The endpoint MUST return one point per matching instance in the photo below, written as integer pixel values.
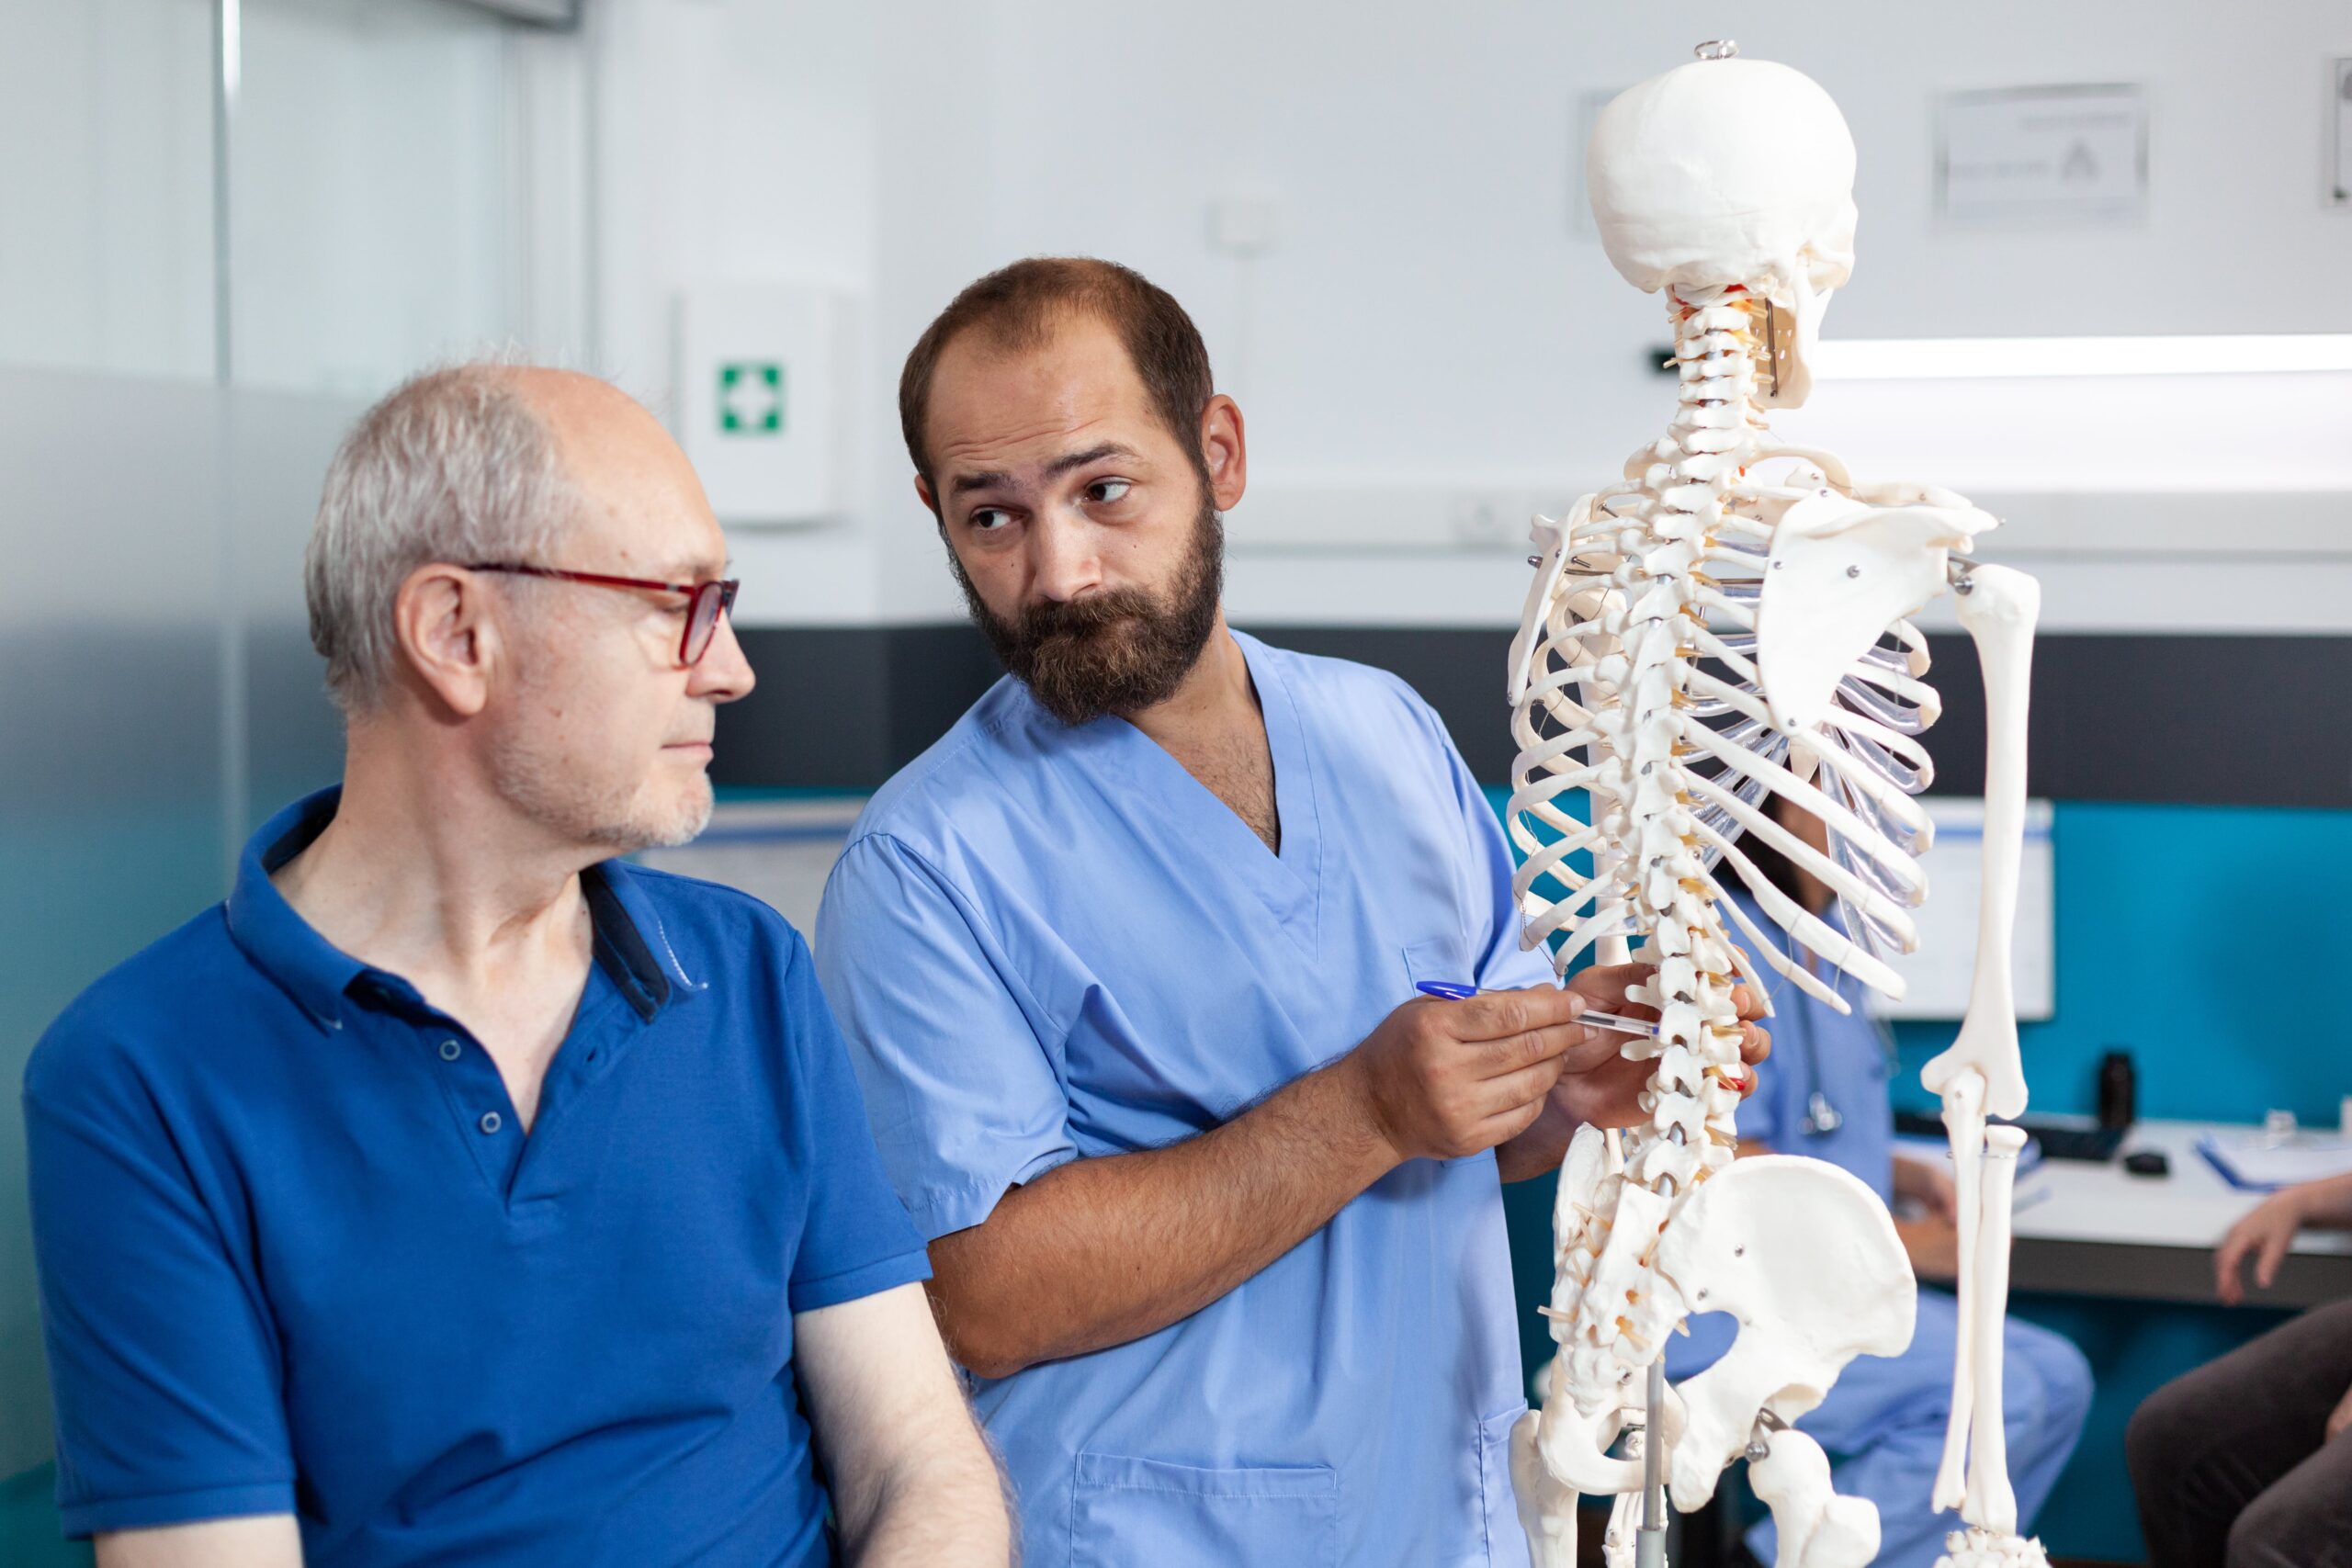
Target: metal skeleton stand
(1650, 1551)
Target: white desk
(2103, 1232)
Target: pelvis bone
(1805, 1257)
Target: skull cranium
(1727, 172)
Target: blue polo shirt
(298, 1255)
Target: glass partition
(105, 156)
(112, 811)
(367, 180)
(162, 696)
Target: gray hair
(453, 465)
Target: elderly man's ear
(448, 637)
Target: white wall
(1430, 348)
(1430, 319)
(737, 141)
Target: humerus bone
(1998, 607)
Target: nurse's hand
(1598, 1085)
(1439, 1079)
(1606, 1092)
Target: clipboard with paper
(2265, 1161)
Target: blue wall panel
(2169, 922)
(2146, 960)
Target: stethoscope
(1822, 1116)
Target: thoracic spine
(1663, 529)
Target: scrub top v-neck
(1049, 942)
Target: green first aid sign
(750, 397)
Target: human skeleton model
(1730, 623)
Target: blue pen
(1454, 991)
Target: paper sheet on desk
(1927, 1150)
(2255, 1162)
(2026, 1195)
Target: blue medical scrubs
(1884, 1422)
(1049, 943)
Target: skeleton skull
(1727, 172)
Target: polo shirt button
(491, 1121)
(451, 1050)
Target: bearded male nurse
(455, 1193)
(1215, 1211)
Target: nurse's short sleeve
(164, 1369)
(854, 1239)
(964, 1099)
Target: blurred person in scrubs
(1127, 961)
(1884, 1422)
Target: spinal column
(1604, 693)
(1636, 677)
(1732, 624)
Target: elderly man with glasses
(455, 1191)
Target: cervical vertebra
(1727, 624)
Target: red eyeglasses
(706, 602)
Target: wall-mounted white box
(762, 400)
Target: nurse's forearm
(1102, 1251)
(1540, 1149)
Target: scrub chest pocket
(1437, 959)
(1127, 1513)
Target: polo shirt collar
(318, 975)
(622, 916)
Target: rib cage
(1634, 681)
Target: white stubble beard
(545, 791)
